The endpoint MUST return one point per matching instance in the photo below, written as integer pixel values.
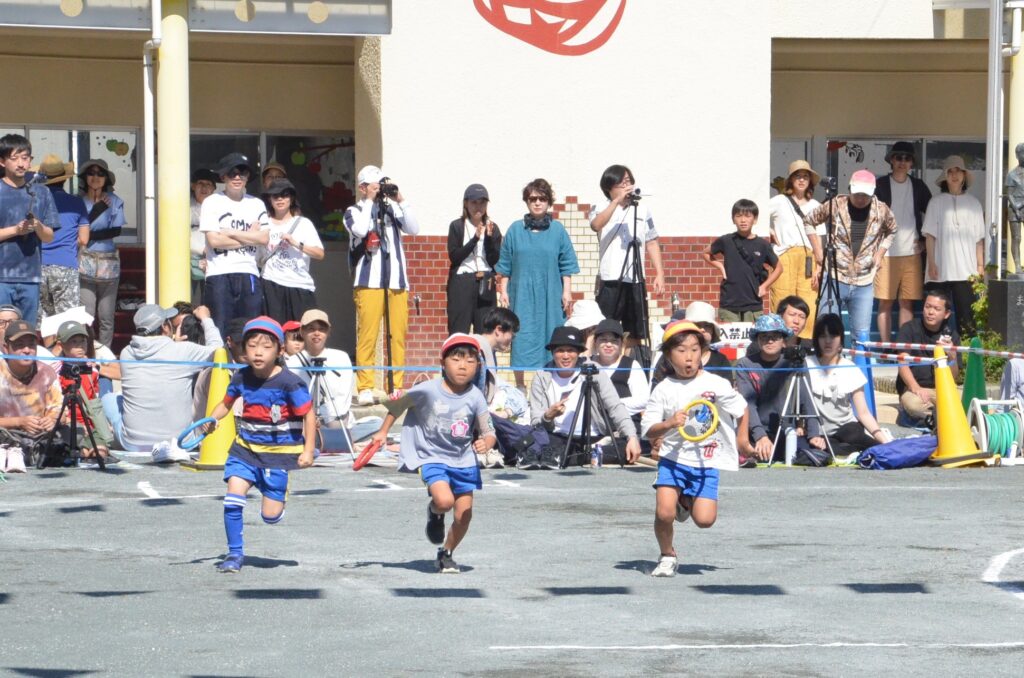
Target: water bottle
(790, 445)
(596, 456)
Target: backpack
(903, 453)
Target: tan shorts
(900, 278)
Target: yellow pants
(793, 281)
(369, 314)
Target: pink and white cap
(862, 181)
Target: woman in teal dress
(537, 260)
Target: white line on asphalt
(759, 646)
(147, 489)
(505, 483)
(381, 484)
(995, 568)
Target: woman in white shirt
(954, 229)
(474, 246)
(288, 288)
(838, 388)
(786, 222)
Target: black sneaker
(529, 461)
(435, 526)
(445, 563)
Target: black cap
(204, 174)
(609, 326)
(235, 330)
(279, 186)
(475, 192)
(17, 329)
(901, 147)
(231, 161)
(566, 336)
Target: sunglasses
(770, 337)
(536, 198)
(902, 157)
(96, 173)
(232, 174)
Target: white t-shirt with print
(616, 235)
(219, 212)
(561, 387)
(716, 451)
(288, 266)
(906, 220)
(786, 224)
(833, 389)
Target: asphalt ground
(807, 572)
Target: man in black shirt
(916, 383)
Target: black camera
(830, 184)
(633, 196)
(387, 188)
(589, 369)
(71, 370)
(794, 353)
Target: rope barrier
(948, 349)
(892, 357)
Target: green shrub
(989, 339)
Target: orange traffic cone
(956, 444)
(213, 451)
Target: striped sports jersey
(270, 428)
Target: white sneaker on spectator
(493, 459)
(666, 567)
(365, 398)
(15, 460)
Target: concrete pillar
(172, 116)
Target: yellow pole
(1015, 130)
(172, 116)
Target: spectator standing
(620, 293)
(271, 173)
(99, 264)
(60, 289)
(954, 228)
(28, 218)
(901, 275)
(379, 267)
(474, 246)
(235, 224)
(204, 183)
(786, 213)
(915, 384)
(534, 277)
(30, 396)
(864, 228)
(288, 288)
(748, 265)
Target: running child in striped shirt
(276, 433)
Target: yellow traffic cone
(956, 444)
(213, 451)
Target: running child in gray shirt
(437, 440)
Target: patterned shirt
(270, 428)
(40, 397)
(881, 229)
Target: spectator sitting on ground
(49, 328)
(30, 396)
(334, 397)
(794, 311)
(155, 403)
(839, 391)
(915, 384)
(555, 395)
(293, 341)
(625, 373)
(74, 341)
(190, 329)
(764, 382)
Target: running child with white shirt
(437, 441)
(688, 471)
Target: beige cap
(312, 315)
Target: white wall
(681, 93)
(851, 19)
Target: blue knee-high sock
(234, 506)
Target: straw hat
(56, 170)
(798, 165)
(955, 162)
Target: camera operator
(620, 293)
(764, 382)
(378, 267)
(863, 230)
(794, 311)
(74, 342)
(30, 396)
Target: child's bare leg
(460, 525)
(704, 512)
(664, 518)
(441, 498)
(271, 510)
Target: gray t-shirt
(439, 425)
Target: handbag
(808, 261)
(99, 265)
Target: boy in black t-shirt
(748, 265)
(915, 384)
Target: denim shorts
(692, 481)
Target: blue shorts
(271, 482)
(692, 481)
(461, 480)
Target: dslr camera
(70, 370)
(830, 184)
(388, 188)
(794, 353)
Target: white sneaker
(666, 567)
(15, 460)
(365, 398)
(493, 459)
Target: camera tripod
(319, 396)
(828, 288)
(71, 403)
(633, 261)
(792, 417)
(585, 442)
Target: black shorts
(625, 302)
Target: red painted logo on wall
(564, 27)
